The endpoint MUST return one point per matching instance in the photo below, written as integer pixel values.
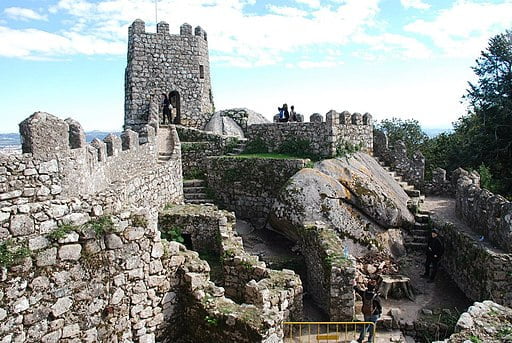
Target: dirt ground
(279, 253)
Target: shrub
(10, 254)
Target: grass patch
(61, 231)
(269, 155)
(173, 234)
(10, 253)
(101, 225)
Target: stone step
(421, 218)
(165, 154)
(193, 183)
(199, 201)
(402, 184)
(419, 239)
(412, 192)
(190, 196)
(193, 189)
(421, 226)
(421, 233)
(422, 211)
(415, 246)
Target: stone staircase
(194, 192)
(240, 147)
(164, 157)
(417, 241)
(410, 190)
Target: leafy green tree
(409, 131)
(486, 132)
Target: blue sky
(402, 58)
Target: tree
(485, 133)
(409, 131)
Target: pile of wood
(384, 270)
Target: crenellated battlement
(79, 168)
(327, 135)
(138, 28)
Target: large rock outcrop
(234, 122)
(224, 125)
(354, 195)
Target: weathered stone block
(76, 134)
(61, 306)
(70, 252)
(101, 148)
(130, 140)
(21, 225)
(46, 257)
(114, 145)
(43, 133)
(113, 241)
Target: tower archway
(174, 99)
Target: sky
(409, 59)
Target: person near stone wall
(372, 308)
(293, 114)
(284, 115)
(435, 250)
(166, 109)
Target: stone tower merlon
(173, 64)
(43, 134)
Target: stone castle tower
(177, 65)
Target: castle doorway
(174, 99)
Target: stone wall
(411, 169)
(330, 274)
(49, 170)
(94, 283)
(479, 270)
(197, 145)
(164, 63)
(249, 186)
(326, 138)
(484, 321)
(488, 214)
(269, 296)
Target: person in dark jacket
(166, 109)
(435, 250)
(372, 308)
(284, 115)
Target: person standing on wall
(435, 250)
(372, 308)
(284, 115)
(293, 115)
(166, 109)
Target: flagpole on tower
(156, 12)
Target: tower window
(201, 71)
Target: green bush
(10, 254)
(255, 146)
(298, 148)
(101, 225)
(173, 234)
(61, 231)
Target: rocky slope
(354, 195)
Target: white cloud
(286, 11)
(464, 29)
(310, 3)
(418, 4)
(23, 14)
(38, 44)
(235, 37)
